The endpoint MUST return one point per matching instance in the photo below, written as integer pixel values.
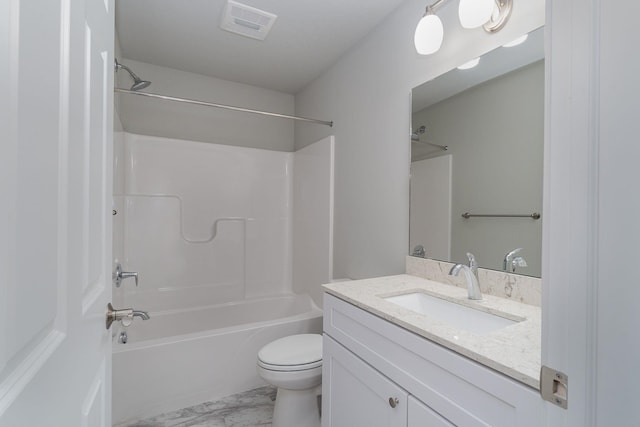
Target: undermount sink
(457, 315)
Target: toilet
(294, 365)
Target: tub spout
(141, 314)
(125, 315)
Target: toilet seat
(292, 353)
(289, 368)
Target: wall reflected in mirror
(477, 147)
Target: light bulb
(429, 34)
(475, 13)
(469, 64)
(517, 41)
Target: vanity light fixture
(470, 64)
(492, 15)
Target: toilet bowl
(294, 365)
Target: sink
(459, 316)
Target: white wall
(196, 123)
(366, 94)
(497, 165)
(170, 192)
(313, 218)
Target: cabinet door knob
(393, 402)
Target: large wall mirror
(477, 148)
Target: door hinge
(554, 386)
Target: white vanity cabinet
(420, 415)
(359, 395)
(376, 373)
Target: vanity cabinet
(378, 374)
(420, 415)
(359, 395)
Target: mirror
(477, 148)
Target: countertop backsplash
(524, 289)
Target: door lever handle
(118, 275)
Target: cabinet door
(420, 415)
(355, 394)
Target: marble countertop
(514, 350)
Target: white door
(591, 232)
(56, 98)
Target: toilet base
(296, 408)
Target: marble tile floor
(248, 409)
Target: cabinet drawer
(463, 391)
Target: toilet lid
(294, 350)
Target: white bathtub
(182, 358)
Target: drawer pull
(393, 402)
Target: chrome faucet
(418, 251)
(125, 316)
(141, 314)
(518, 262)
(471, 276)
(510, 262)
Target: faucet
(125, 316)
(418, 251)
(118, 275)
(518, 262)
(141, 314)
(511, 262)
(471, 276)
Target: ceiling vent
(246, 20)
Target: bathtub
(184, 357)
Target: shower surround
(202, 220)
(209, 228)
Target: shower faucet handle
(118, 275)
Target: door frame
(570, 227)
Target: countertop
(514, 350)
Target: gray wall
(495, 132)
(366, 94)
(196, 123)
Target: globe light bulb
(516, 42)
(475, 13)
(429, 34)
(467, 65)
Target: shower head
(138, 83)
(415, 135)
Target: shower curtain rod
(226, 107)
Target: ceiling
(306, 39)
